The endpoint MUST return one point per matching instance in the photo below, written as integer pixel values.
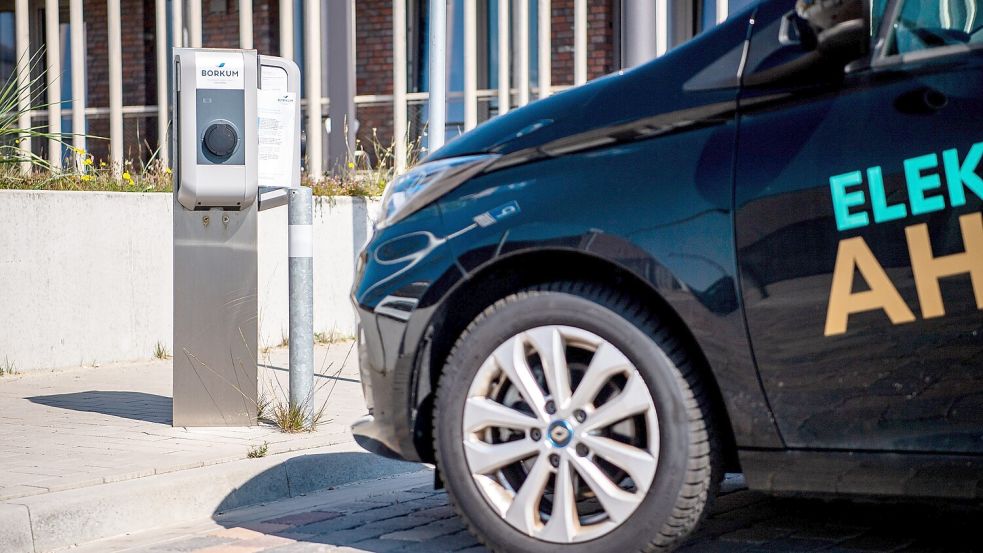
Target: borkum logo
(219, 72)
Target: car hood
(691, 82)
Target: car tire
(490, 499)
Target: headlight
(415, 189)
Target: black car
(761, 252)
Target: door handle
(922, 101)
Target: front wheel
(567, 415)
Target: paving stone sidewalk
(88, 426)
(405, 515)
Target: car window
(924, 24)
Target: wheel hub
(560, 433)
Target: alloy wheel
(561, 434)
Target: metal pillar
(287, 29)
(522, 51)
(312, 80)
(341, 81)
(504, 82)
(300, 217)
(399, 85)
(77, 38)
(246, 24)
(544, 46)
(438, 61)
(115, 87)
(640, 43)
(163, 113)
(52, 46)
(470, 65)
(194, 23)
(580, 42)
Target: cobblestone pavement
(88, 426)
(406, 515)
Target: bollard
(300, 217)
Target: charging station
(231, 134)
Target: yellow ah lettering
(853, 255)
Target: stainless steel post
(300, 217)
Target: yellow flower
(86, 178)
(167, 171)
(102, 164)
(88, 161)
(79, 151)
(127, 177)
(351, 165)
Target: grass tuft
(7, 367)
(255, 452)
(331, 337)
(160, 351)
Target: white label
(300, 240)
(276, 113)
(219, 70)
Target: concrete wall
(85, 277)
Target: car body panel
(913, 386)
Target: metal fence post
(300, 218)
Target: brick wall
(374, 69)
(600, 40)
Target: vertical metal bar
(312, 68)
(545, 17)
(52, 73)
(640, 43)
(77, 40)
(287, 29)
(300, 218)
(399, 85)
(522, 63)
(177, 23)
(163, 114)
(662, 27)
(115, 87)
(437, 102)
(579, 42)
(194, 23)
(722, 10)
(246, 24)
(470, 65)
(341, 81)
(21, 16)
(504, 83)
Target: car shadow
(128, 405)
(412, 516)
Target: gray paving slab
(91, 425)
(90, 453)
(403, 515)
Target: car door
(859, 235)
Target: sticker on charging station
(219, 70)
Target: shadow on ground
(129, 405)
(419, 520)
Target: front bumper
(389, 427)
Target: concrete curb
(42, 523)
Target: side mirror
(830, 33)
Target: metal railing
(513, 90)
